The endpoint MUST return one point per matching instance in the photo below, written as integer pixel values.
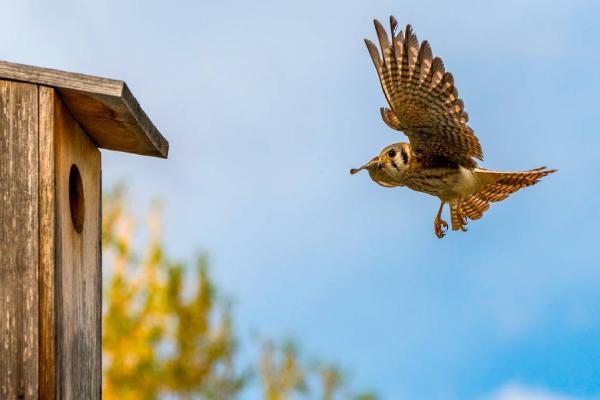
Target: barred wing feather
(423, 100)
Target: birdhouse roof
(104, 108)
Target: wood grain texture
(47, 264)
(18, 240)
(78, 264)
(105, 108)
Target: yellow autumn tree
(160, 337)
(163, 338)
(284, 376)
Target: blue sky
(268, 104)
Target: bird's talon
(440, 227)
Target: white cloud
(516, 391)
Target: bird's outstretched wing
(423, 99)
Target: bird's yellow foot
(441, 227)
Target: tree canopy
(167, 333)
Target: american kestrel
(439, 160)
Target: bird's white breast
(465, 182)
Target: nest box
(52, 124)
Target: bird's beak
(374, 163)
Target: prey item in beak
(355, 170)
(374, 163)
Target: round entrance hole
(76, 198)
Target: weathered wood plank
(105, 108)
(60, 79)
(78, 294)
(19, 237)
(47, 226)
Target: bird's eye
(392, 153)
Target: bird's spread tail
(497, 187)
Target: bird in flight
(440, 157)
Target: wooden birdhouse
(52, 125)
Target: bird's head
(392, 161)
